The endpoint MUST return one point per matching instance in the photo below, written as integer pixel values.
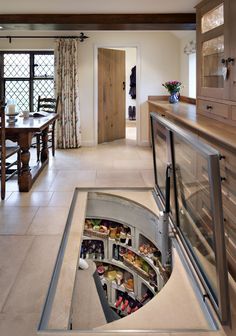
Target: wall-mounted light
(190, 48)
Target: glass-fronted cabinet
(216, 60)
(213, 48)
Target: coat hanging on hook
(132, 90)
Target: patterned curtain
(66, 82)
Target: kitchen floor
(31, 224)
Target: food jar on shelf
(112, 234)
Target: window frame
(29, 79)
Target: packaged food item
(119, 277)
(111, 275)
(101, 270)
(145, 267)
(118, 230)
(129, 284)
(112, 233)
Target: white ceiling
(96, 6)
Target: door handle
(230, 60)
(123, 85)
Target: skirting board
(92, 144)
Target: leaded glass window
(26, 75)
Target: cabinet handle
(230, 60)
(223, 60)
(209, 107)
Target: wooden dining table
(22, 132)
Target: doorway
(116, 110)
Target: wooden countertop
(185, 114)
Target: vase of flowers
(173, 88)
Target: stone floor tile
(61, 198)
(119, 178)
(49, 221)
(13, 250)
(16, 220)
(132, 164)
(69, 180)
(31, 198)
(31, 284)
(148, 177)
(19, 324)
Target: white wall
(192, 92)
(184, 62)
(158, 60)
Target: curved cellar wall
(135, 270)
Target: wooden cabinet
(228, 188)
(211, 108)
(216, 56)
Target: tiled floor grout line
(26, 233)
(15, 280)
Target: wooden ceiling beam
(180, 21)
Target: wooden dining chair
(49, 105)
(8, 169)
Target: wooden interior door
(111, 95)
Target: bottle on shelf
(118, 231)
(122, 252)
(125, 304)
(156, 257)
(146, 297)
(112, 233)
(119, 300)
(122, 236)
(105, 290)
(152, 277)
(128, 239)
(130, 307)
(100, 253)
(115, 252)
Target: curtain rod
(81, 37)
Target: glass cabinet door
(213, 70)
(213, 65)
(212, 19)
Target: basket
(93, 233)
(142, 273)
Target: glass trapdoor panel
(195, 214)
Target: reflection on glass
(162, 160)
(212, 66)
(213, 18)
(195, 214)
(161, 155)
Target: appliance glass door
(196, 202)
